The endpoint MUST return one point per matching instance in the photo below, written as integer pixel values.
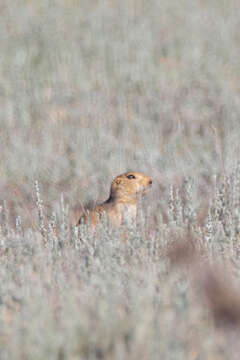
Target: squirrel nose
(150, 182)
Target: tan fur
(122, 202)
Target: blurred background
(90, 89)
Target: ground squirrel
(122, 202)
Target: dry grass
(89, 90)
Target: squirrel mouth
(146, 189)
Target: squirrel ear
(118, 181)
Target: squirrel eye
(131, 176)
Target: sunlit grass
(89, 90)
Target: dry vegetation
(88, 90)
